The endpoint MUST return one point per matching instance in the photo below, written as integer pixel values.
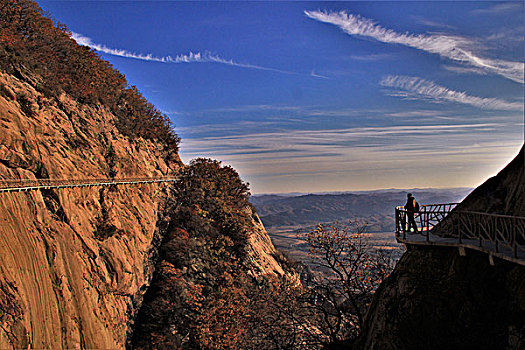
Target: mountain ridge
(76, 263)
(376, 206)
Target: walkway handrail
(429, 216)
(40, 184)
(489, 232)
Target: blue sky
(325, 96)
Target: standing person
(411, 207)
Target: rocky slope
(76, 262)
(501, 194)
(437, 299)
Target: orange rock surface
(61, 286)
(75, 263)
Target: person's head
(409, 195)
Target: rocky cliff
(75, 263)
(501, 194)
(438, 299)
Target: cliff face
(76, 263)
(437, 299)
(73, 261)
(501, 194)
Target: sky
(324, 96)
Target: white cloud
(362, 157)
(316, 75)
(465, 70)
(371, 57)
(417, 88)
(182, 58)
(416, 114)
(434, 24)
(501, 8)
(349, 149)
(455, 48)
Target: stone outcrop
(76, 263)
(73, 262)
(501, 194)
(261, 253)
(437, 299)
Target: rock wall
(501, 194)
(74, 262)
(437, 299)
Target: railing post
(460, 235)
(494, 229)
(479, 225)
(514, 241)
(427, 216)
(404, 223)
(428, 221)
(397, 222)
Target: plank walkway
(500, 236)
(47, 184)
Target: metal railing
(46, 184)
(491, 232)
(429, 216)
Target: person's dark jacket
(411, 203)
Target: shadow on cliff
(437, 299)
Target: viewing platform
(501, 236)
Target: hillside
(76, 258)
(77, 263)
(501, 194)
(438, 299)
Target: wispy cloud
(254, 108)
(465, 70)
(417, 88)
(430, 23)
(300, 111)
(275, 158)
(416, 114)
(455, 48)
(316, 75)
(501, 8)
(371, 57)
(354, 152)
(181, 58)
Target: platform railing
(428, 217)
(491, 232)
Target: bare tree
(350, 272)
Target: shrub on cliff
(43, 54)
(212, 200)
(203, 294)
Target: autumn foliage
(212, 200)
(352, 271)
(205, 296)
(37, 51)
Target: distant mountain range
(374, 207)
